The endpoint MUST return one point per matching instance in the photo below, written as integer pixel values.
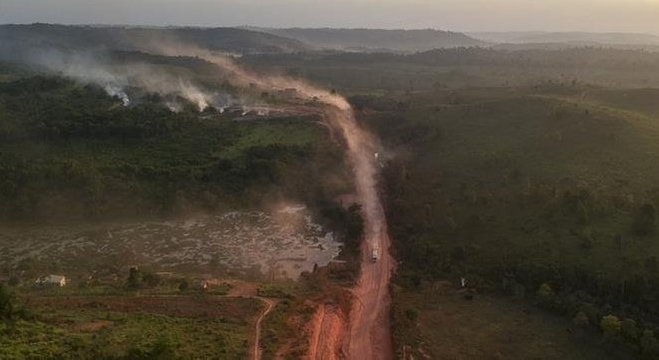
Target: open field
(132, 327)
(278, 244)
(439, 323)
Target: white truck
(375, 254)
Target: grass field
(186, 327)
(439, 323)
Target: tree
(6, 304)
(545, 294)
(582, 213)
(412, 314)
(649, 344)
(629, 330)
(134, 278)
(184, 285)
(645, 222)
(610, 325)
(151, 279)
(580, 320)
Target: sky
(456, 15)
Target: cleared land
(133, 327)
(439, 323)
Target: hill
(562, 40)
(551, 186)
(376, 39)
(231, 40)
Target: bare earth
(367, 334)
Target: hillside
(568, 40)
(71, 151)
(375, 39)
(231, 40)
(528, 187)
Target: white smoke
(88, 68)
(115, 91)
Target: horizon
(466, 16)
(256, 27)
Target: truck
(375, 254)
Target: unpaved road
(367, 335)
(256, 353)
(370, 336)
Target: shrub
(610, 326)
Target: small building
(200, 285)
(52, 280)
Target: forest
(72, 150)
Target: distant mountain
(233, 40)
(377, 40)
(575, 38)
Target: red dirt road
(367, 334)
(370, 333)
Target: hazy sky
(459, 15)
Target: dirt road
(367, 335)
(257, 333)
(370, 336)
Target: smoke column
(91, 68)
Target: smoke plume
(117, 77)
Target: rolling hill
(231, 40)
(558, 40)
(376, 39)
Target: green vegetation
(533, 192)
(439, 323)
(131, 328)
(532, 174)
(72, 151)
(292, 311)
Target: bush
(646, 220)
(7, 307)
(580, 320)
(649, 345)
(610, 326)
(629, 330)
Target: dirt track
(269, 304)
(367, 334)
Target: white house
(52, 280)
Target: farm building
(52, 280)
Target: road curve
(256, 351)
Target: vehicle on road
(375, 254)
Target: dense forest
(537, 193)
(72, 150)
